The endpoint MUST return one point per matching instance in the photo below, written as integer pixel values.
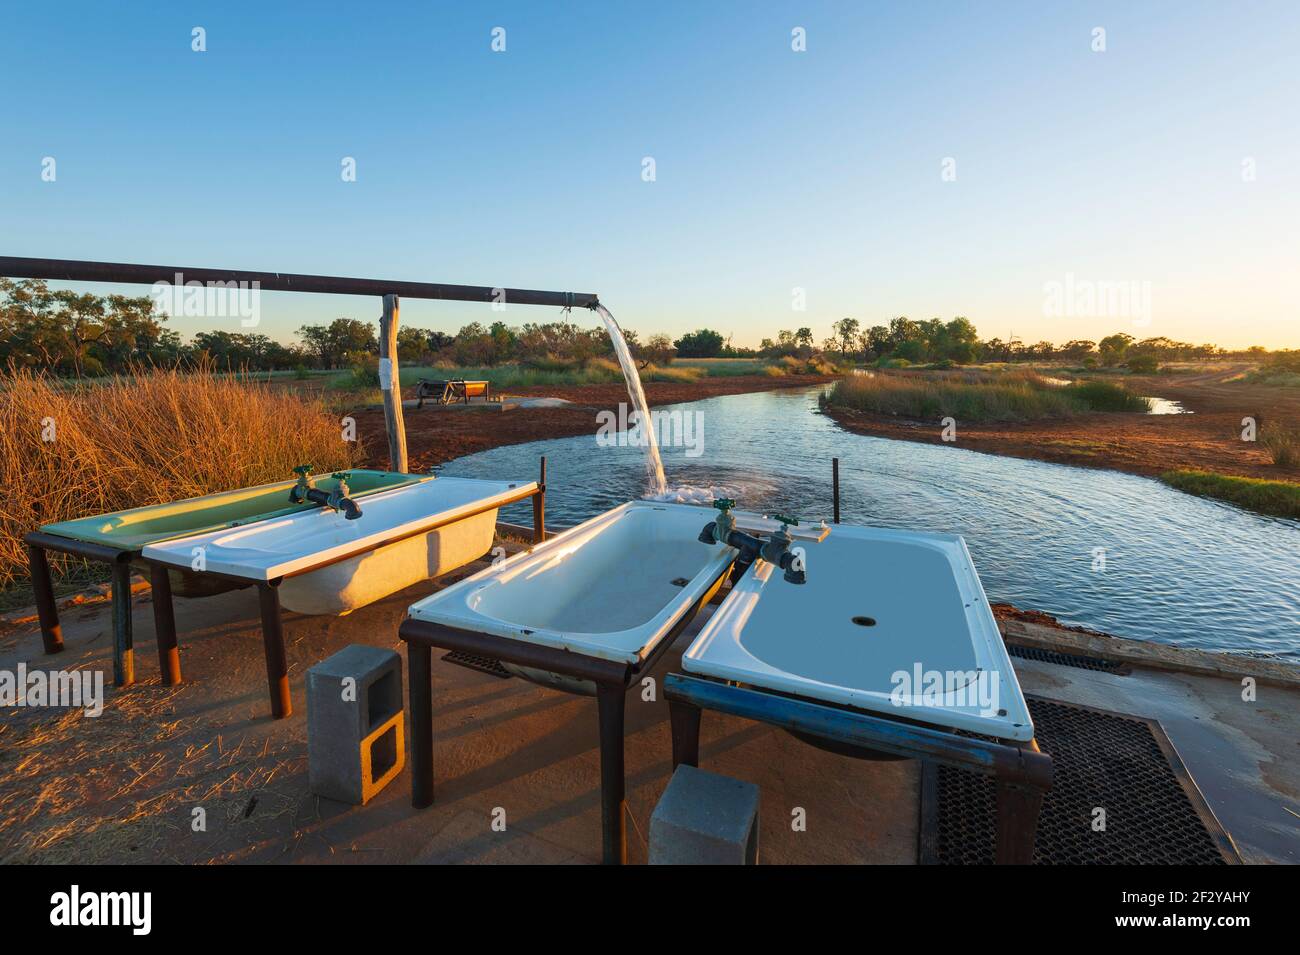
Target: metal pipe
(75, 270)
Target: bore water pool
(1115, 552)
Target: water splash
(654, 465)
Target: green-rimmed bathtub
(118, 538)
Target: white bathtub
(610, 588)
(388, 551)
(877, 603)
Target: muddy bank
(435, 436)
(1209, 439)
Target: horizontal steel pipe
(72, 270)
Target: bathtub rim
(511, 493)
(450, 608)
(719, 650)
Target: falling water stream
(654, 465)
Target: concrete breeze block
(355, 747)
(705, 819)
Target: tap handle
(303, 470)
(786, 520)
(724, 503)
(342, 475)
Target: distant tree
(1112, 349)
(704, 343)
(846, 330)
(657, 350)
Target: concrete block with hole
(355, 724)
(705, 819)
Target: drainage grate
(1069, 659)
(1125, 765)
(473, 661)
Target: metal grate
(473, 661)
(1069, 659)
(1125, 765)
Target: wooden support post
(391, 383)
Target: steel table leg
(1018, 808)
(46, 609)
(685, 720)
(420, 681)
(277, 670)
(164, 625)
(123, 651)
(611, 702)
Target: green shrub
(1143, 364)
(1275, 498)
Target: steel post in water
(835, 486)
(539, 506)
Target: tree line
(79, 334)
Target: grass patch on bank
(1275, 498)
(146, 438)
(979, 395)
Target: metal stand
(1022, 773)
(612, 681)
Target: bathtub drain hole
(865, 621)
(680, 581)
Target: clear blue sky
(775, 169)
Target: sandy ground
(435, 436)
(1207, 440)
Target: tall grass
(146, 438)
(979, 396)
(1283, 445)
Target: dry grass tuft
(146, 438)
(123, 785)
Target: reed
(977, 395)
(151, 436)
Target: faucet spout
(337, 499)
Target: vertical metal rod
(277, 670)
(392, 387)
(164, 625)
(685, 721)
(835, 486)
(123, 653)
(46, 609)
(539, 506)
(420, 681)
(611, 703)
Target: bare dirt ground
(435, 436)
(1209, 439)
